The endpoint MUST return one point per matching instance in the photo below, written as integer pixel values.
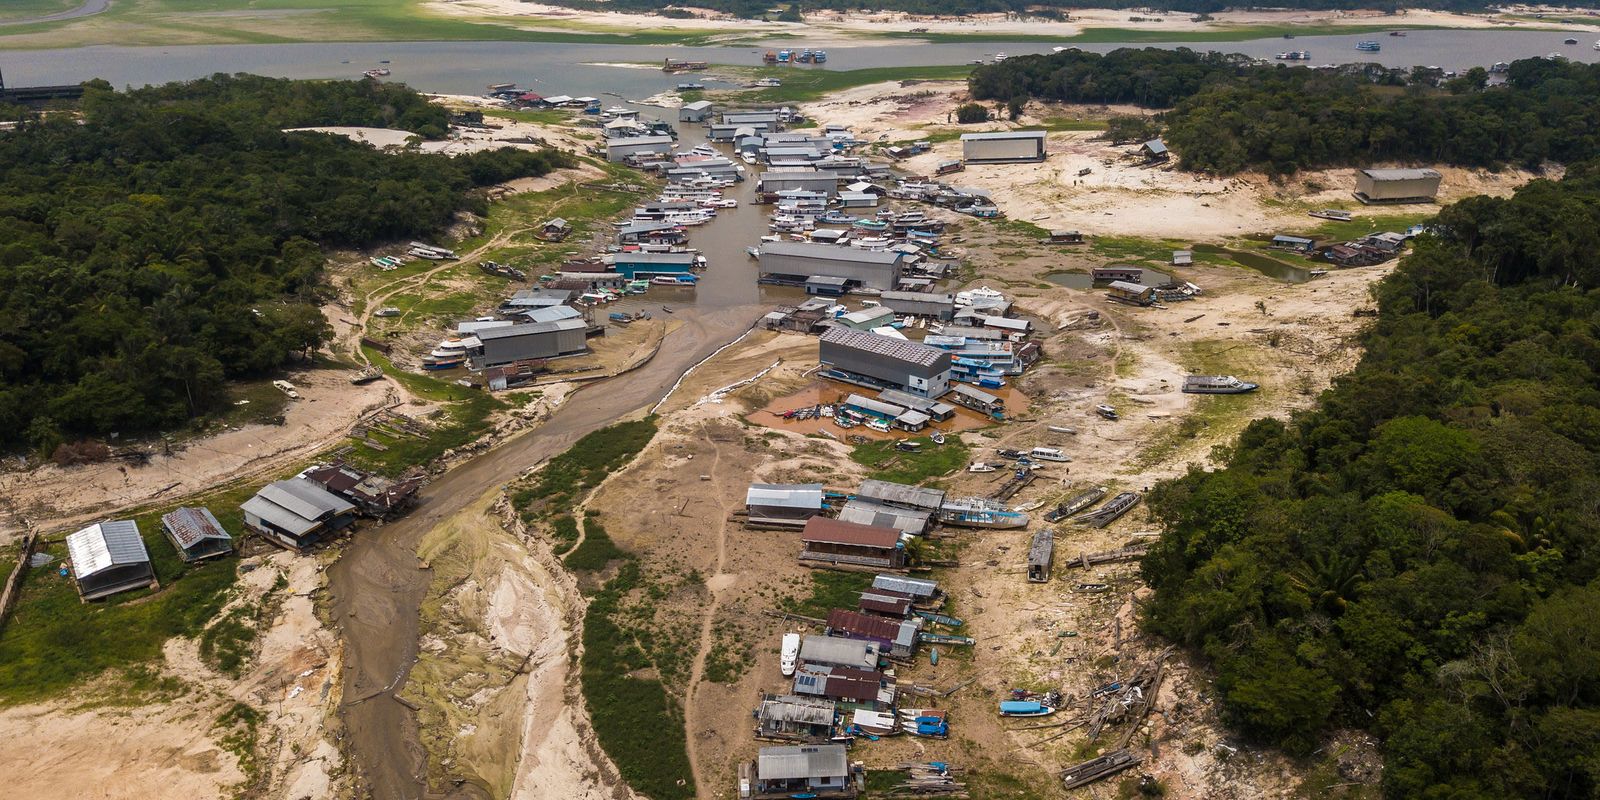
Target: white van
(1048, 454)
(790, 654)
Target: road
(89, 8)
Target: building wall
(874, 276)
(938, 309)
(548, 344)
(809, 181)
(922, 381)
(618, 150)
(1002, 150)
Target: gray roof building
(783, 504)
(296, 513)
(899, 494)
(698, 111)
(794, 262)
(196, 533)
(835, 652)
(802, 762)
(619, 149)
(915, 587)
(866, 319)
(1002, 146)
(940, 306)
(109, 557)
(500, 346)
(867, 512)
(884, 362)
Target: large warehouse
(794, 262)
(619, 149)
(497, 347)
(882, 362)
(1397, 185)
(825, 182)
(1001, 147)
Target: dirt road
(378, 584)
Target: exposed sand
(837, 28)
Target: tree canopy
(172, 240)
(1418, 555)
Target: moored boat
(1075, 504)
(978, 512)
(1216, 384)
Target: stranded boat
(1075, 504)
(1024, 708)
(1118, 506)
(978, 512)
(450, 353)
(1216, 384)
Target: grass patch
(931, 461)
(1133, 248)
(1070, 124)
(462, 422)
(540, 116)
(1219, 416)
(803, 85)
(596, 551)
(829, 590)
(583, 466)
(1020, 227)
(226, 646)
(564, 530)
(1361, 226)
(237, 729)
(1230, 33)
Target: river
(467, 67)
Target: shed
(1299, 244)
(109, 557)
(783, 504)
(1182, 258)
(1001, 147)
(296, 513)
(698, 111)
(866, 319)
(832, 652)
(903, 495)
(794, 717)
(555, 230)
(1378, 186)
(833, 542)
(920, 590)
(1040, 552)
(866, 512)
(196, 534)
(1155, 150)
(1131, 293)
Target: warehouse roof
(698, 105)
(304, 499)
(840, 652)
(784, 495)
(104, 545)
(1400, 174)
(1002, 135)
(867, 315)
(550, 314)
(866, 512)
(831, 531)
(830, 252)
(901, 494)
(877, 407)
(651, 258)
(801, 761)
(919, 297)
(531, 328)
(910, 352)
(914, 587)
(639, 140)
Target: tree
(970, 113)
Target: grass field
(1154, 33)
(931, 461)
(29, 9)
(803, 85)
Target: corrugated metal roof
(802, 761)
(531, 328)
(831, 531)
(304, 498)
(802, 710)
(866, 512)
(639, 140)
(191, 525)
(278, 516)
(784, 495)
(1400, 174)
(698, 105)
(908, 352)
(549, 314)
(831, 252)
(919, 297)
(975, 394)
(867, 315)
(901, 494)
(1155, 146)
(839, 652)
(877, 407)
(652, 258)
(911, 586)
(1001, 135)
(104, 545)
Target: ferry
(1294, 55)
(1368, 46)
(450, 353)
(1216, 384)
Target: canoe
(1024, 708)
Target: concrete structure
(501, 346)
(812, 181)
(1002, 147)
(296, 513)
(940, 306)
(795, 262)
(898, 639)
(634, 265)
(821, 771)
(1376, 186)
(619, 149)
(196, 534)
(783, 504)
(882, 362)
(829, 541)
(109, 557)
(698, 111)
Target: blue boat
(1024, 708)
(1368, 47)
(820, 57)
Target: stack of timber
(1017, 483)
(928, 780)
(1130, 701)
(1087, 560)
(1109, 513)
(1097, 768)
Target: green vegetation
(172, 241)
(226, 645)
(52, 641)
(970, 113)
(237, 729)
(929, 461)
(558, 486)
(1418, 555)
(30, 9)
(829, 590)
(803, 85)
(1229, 115)
(596, 551)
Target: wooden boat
(367, 375)
(940, 638)
(1075, 504)
(1216, 384)
(1331, 213)
(1024, 708)
(1061, 429)
(1118, 506)
(939, 619)
(1107, 412)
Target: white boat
(1061, 429)
(789, 654)
(878, 425)
(1048, 454)
(450, 353)
(937, 437)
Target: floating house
(978, 400)
(1040, 553)
(939, 306)
(109, 557)
(786, 505)
(501, 346)
(831, 652)
(1155, 150)
(912, 522)
(1384, 186)
(835, 543)
(1002, 147)
(698, 111)
(882, 362)
(922, 592)
(196, 534)
(296, 513)
(795, 262)
(634, 265)
(619, 150)
(827, 286)
(794, 717)
(898, 639)
(889, 604)
(851, 686)
(1131, 293)
(810, 180)
(374, 495)
(1182, 258)
(1298, 244)
(903, 495)
(819, 771)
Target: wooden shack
(1040, 554)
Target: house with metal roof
(698, 111)
(501, 346)
(883, 362)
(297, 513)
(793, 262)
(900, 494)
(940, 306)
(832, 652)
(620, 149)
(897, 638)
(821, 771)
(640, 264)
(794, 717)
(1299, 244)
(373, 494)
(109, 557)
(922, 592)
(886, 603)
(196, 534)
(1378, 186)
(784, 505)
(912, 522)
(865, 319)
(1155, 150)
(1002, 146)
(829, 541)
(853, 687)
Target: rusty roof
(823, 530)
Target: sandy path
(718, 583)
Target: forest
(1417, 556)
(1227, 116)
(173, 240)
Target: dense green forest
(1418, 555)
(172, 240)
(755, 8)
(1227, 116)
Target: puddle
(1271, 267)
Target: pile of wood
(1097, 768)
(928, 780)
(1130, 701)
(1017, 483)
(1087, 560)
